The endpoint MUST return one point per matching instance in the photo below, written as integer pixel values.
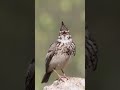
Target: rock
(73, 83)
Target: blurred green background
(48, 17)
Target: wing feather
(50, 54)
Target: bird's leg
(60, 77)
(64, 74)
(57, 73)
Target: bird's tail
(46, 77)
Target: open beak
(64, 32)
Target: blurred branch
(73, 83)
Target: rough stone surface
(72, 83)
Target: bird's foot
(61, 78)
(65, 77)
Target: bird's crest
(63, 29)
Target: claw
(61, 78)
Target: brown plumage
(91, 51)
(30, 76)
(59, 53)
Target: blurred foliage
(48, 17)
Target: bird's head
(64, 34)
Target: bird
(59, 53)
(30, 76)
(91, 52)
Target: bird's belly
(59, 61)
